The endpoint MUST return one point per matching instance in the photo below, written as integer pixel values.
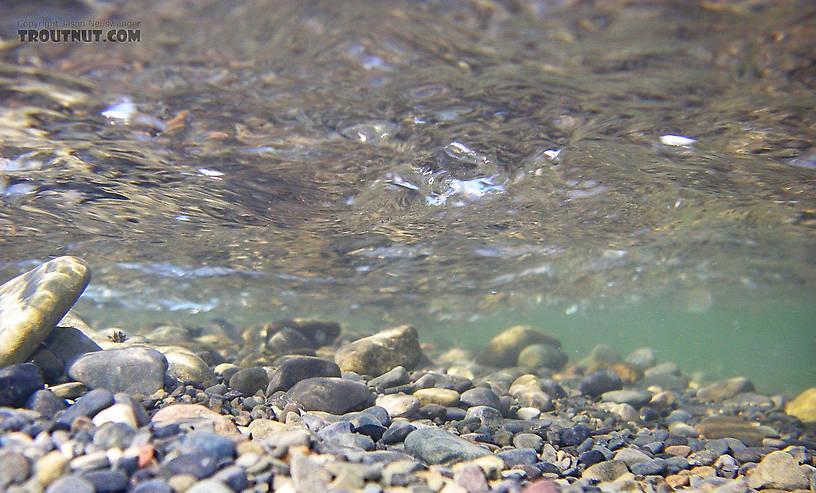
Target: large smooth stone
(778, 470)
(503, 350)
(329, 394)
(804, 407)
(32, 303)
(375, 355)
(134, 369)
(186, 366)
(18, 382)
(319, 332)
(436, 446)
(747, 432)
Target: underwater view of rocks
(476, 245)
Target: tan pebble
(677, 480)
(442, 397)
(50, 467)
(703, 472)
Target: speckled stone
(778, 470)
(605, 471)
(32, 303)
(436, 446)
(134, 369)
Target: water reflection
(431, 158)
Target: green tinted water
(624, 173)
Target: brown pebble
(678, 450)
(703, 472)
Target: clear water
(625, 173)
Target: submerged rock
(31, 304)
(503, 350)
(379, 353)
(134, 369)
(436, 446)
(804, 407)
(329, 394)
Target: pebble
(250, 380)
(733, 427)
(32, 303)
(635, 398)
(480, 396)
(442, 397)
(379, 353)
(71, 484)
(87, 405)
(146, 369)
(399, 405)
(18, 382)
(436, 446)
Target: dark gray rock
(249, 380)
(87, 405)
(528, 441)
(69, 343)
(649, 467)
(134, 370)
(106, 480)
(592, 457)
(232, 476)
(332, 395)
(598, 382)
(46, 403)
(296, 368)
(379, 353)
(518, 456)
(480, 396)
(397, 432)
(392, 378)
(198, 464)
(18, 382)
(436, 446)
(490, 417)
(574, 436)
(289, 341)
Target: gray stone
(778, 470)
(436, 446)
(87, 405)
(198, 464)
(106, 480)
(207, 443)
(503, 350)
(69, 343)
(379, 353)
(642, 358)
(528, 440)
(46, 403)
(210, 486)
(32, 303)
(635, 398)
(649, 467)
(296, 368)
(490, 417)
(14, 468)
(308, 475)
(134, 369)
(724, 389)
(392, 378)
(250, 380)
(514, 457)
(318, 332)
(631, 456)
(186, 366)
(329, 394)
(152, 486)
(70, 484)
